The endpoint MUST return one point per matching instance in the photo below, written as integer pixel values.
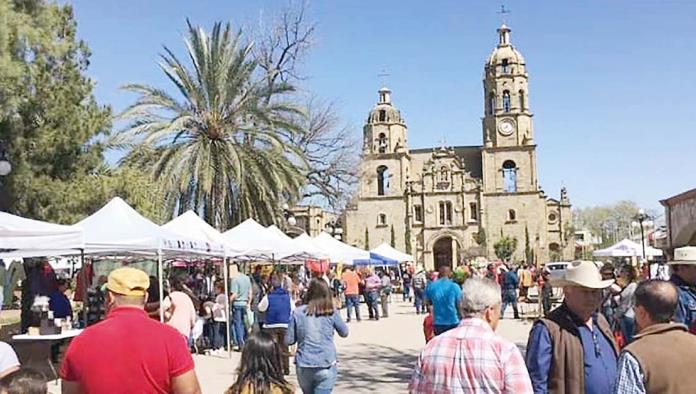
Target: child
(260, 368)
(428, 329)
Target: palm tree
(222, 149)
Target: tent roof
(118, 228)
(264, 243)
(36, 238)
(626, 248)
(339, 251)
(190, 224)
(392, 253)
(308, 243)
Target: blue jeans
(407, 292)
(353, 301)
(316, 380)
(219, 337)
(510, 298)
(238, 329)
(418, 293)
(372, 300)
(628, 325)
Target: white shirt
(8, 358)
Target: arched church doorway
(442, 252)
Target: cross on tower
(443, 143)
(503, 12)
(382, 75)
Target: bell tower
(508, 133)
(385, 130)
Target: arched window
(509, 176)
(444, 174)
(382, 143)
(512, 215)
(523, 104)
(506, 101)
(506, 66)
(382, 115)
(382, 180)
(491, 103)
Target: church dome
(384, 111)
(505, 52)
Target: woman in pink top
(179, 311)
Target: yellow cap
(128, 281)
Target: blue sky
(610, 81)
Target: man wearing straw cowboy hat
(684, 277)
(572, 350)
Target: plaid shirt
(470, 359)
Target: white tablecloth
(64, 335)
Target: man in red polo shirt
(128, 352)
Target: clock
(506, 126)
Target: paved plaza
(377, 356)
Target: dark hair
(260, 367)
(24, 381)
(319, 299)
(659, 298)
(176, 283)
(444, 271)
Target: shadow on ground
(374, 369)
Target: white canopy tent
(190, 224)
(627, 248)
(304, 242)
(264, 244)
(392, 253)
(118, 228)
(32, 238)
(307, 243)
(339, 251)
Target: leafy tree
(407, 239)
(505, 247)
(219, 147)
(528, 251)
(393, 237)
(50, 120)
(611, 222)
(367, 239)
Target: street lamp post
(5, 169)
(335, 229)
(643, 219)
(290, 220)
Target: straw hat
(582, 273)
(684, 256)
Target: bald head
(659, 299)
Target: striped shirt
(470, 359)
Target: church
(447, 204)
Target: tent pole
(225, 266)
(85, 299)
(160, 274)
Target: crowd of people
(613, 332)
(574, 348)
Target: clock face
(506, 126)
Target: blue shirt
(240, 288)
(60, 305)
(686, 308)
(444, 295)
(511, 281)
(314, 337)
(629, 379)
(599, 359)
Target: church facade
(446, 204)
